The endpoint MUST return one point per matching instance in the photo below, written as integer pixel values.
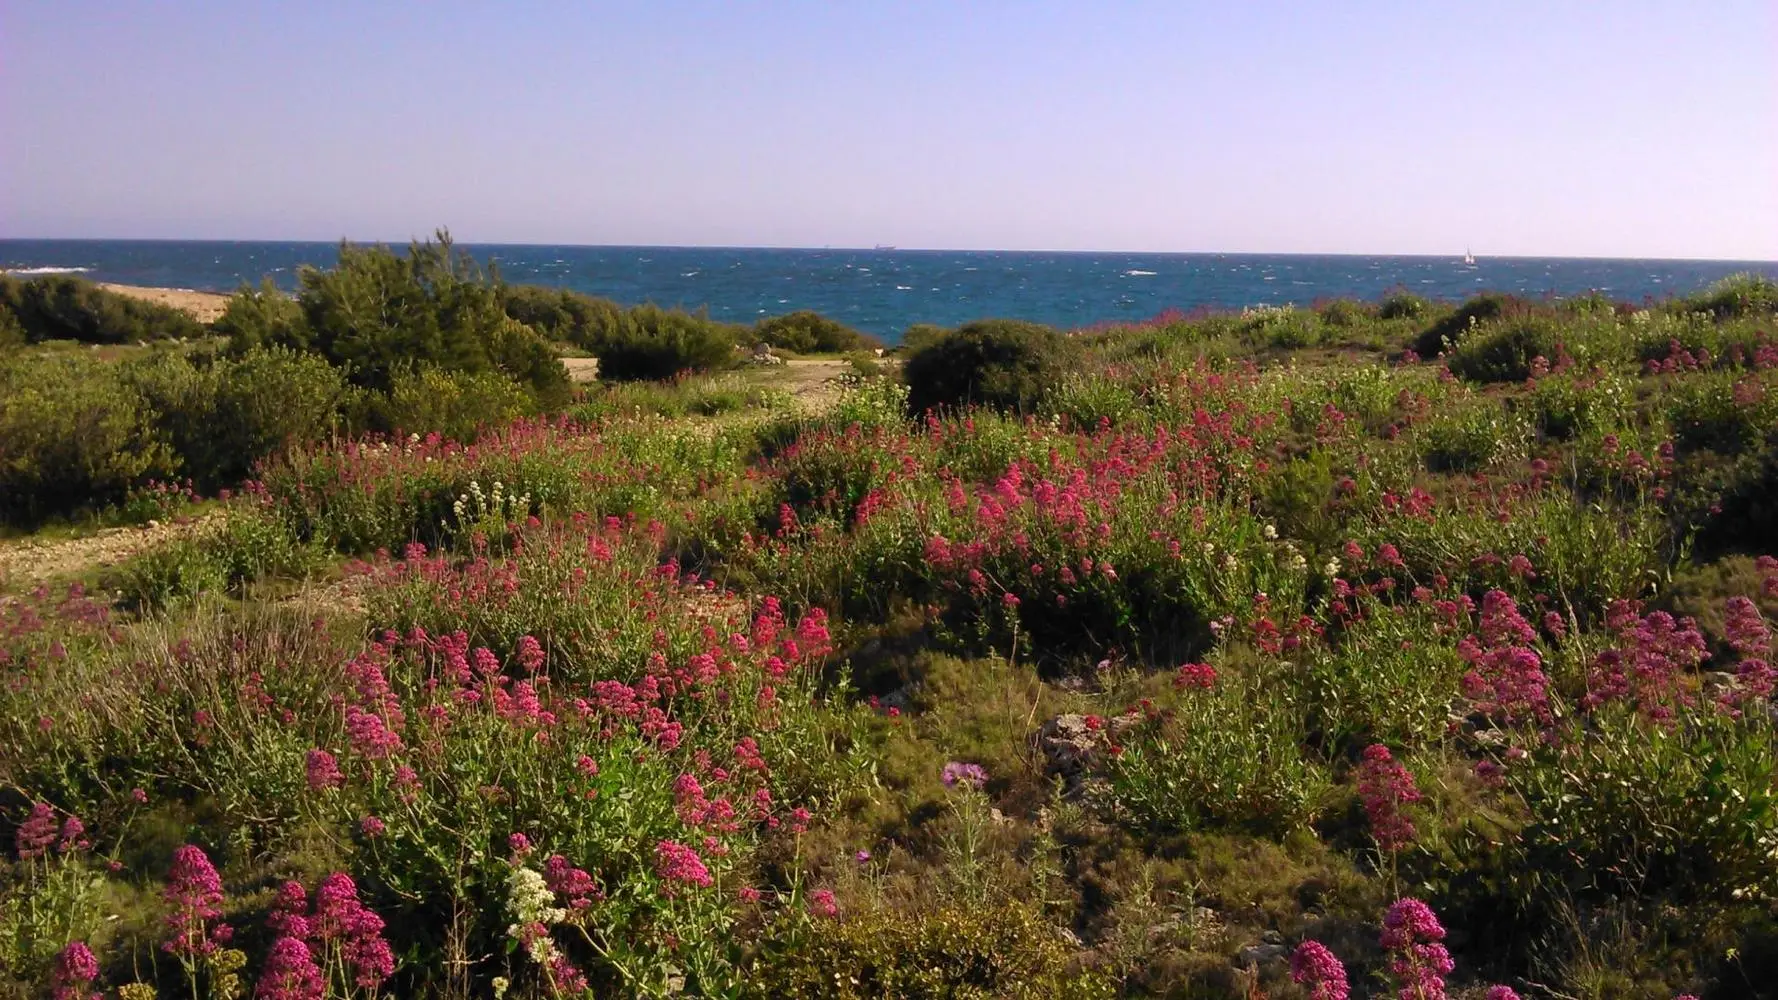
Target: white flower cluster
(531, 902)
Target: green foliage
(379, 313)
(74, 434)
(655, 343)
(1450, 330)
(1228, 757)
(1504, 352)
(1005, 950)
(260, 317)
(1003, 364)
(808, 332)
(458, 405)
(1745, 294)
(563, 316)
(1471, 438)
(1403, 305)
(1685, 813)
(917, 337)
(64, 307)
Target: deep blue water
(883, 291)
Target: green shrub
(1504, 353)
(656, 343)
(1687, 813)
(919, 336)
(378, 313)
(1003, 950)
(258, 317)
(457, 405)
(64, 307)
(1472, 438)
(1403, 305)
(74, 435)
(1229, 757)
(809, 332)
(562, 315)
(1005, 364)
(1449, 331)
(1343, 313)
(11, 333)
(1722, 413)
(222, 416)
(1283, 327)
(1745, 294)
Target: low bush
(1449, 331)
(563, 316)
(1403, 305)
(64, 307)
(1746, 294)
(656, 343)
(458, 405)
(1004, 364)
(1505, 352)
(809, 332)
(75, 435)
(260, 317)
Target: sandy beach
(205, 307)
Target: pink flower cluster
(1385, 787)
(1313, 966)
(194, 896)
(290, 973)
(75, 970)
(970, 776)
(1417, 957)
(1505, 677)
(40, 833)
(1750, 637)
(339, 924)
(680, 864)
(1646, 669)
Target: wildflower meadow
(1362, 650)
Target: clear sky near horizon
(1536, 127)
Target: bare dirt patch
(29, 562)
(204, 307)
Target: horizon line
(881, 248)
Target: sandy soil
(27, 562)
(203, 306)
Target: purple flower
(371, 826)
(1315, 967)
(861, 857)
(1501, 993)
(969, 775)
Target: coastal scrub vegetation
(1231, 654)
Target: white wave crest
(1139, 274)
(46, 270)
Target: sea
(884, 290)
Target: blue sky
(1611, 129)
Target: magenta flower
(194, 892)
(1501, 993)
(290, 973)
(323, 771)
(1506, 678)
(37, 832)
(676, 862)
(823, 904)
(76, 968)
(1412, 935)
(519, 844)
(1315, 967)
(372, 827)
(341, 919)
(1385, 787)
(968, 775)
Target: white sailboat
(1468, 258)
